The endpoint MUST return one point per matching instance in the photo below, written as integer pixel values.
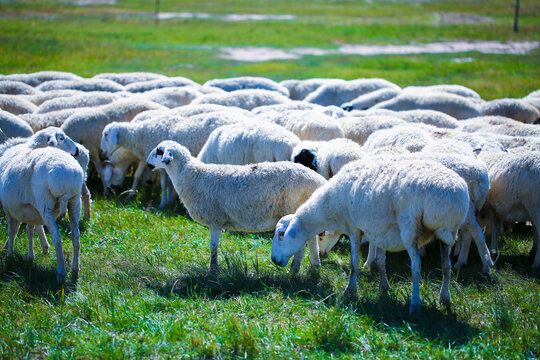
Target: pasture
(144, 290)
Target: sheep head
(55, 137)
(289, 237)
(163, 155)
(109, 139)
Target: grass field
(144, 290)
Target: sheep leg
(355, 261)
(85, 196)
(408, 239)
(297, 260)
(444, 297)
(215, 232)
(13, 228)
(171, 193)
(43, 239)
(370, 257)
(313, 245)
(74, 211)
(536, 235)
(494, 226)
(137, 176)
(48, 219)
(478, 236)
(464, 245)
(30, 236)
(163, 182)
(380, 258)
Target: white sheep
(290, 105)
(447, 88)
(412, 138)
(86, 85)
(9, 87)
(141, 137)
(395, 205)
(358, 129)
(130, 77)
(197, 109)
(35, 188)
(87, 126)
(245, 99)
(512, 108)
(306, 124)
(299, 89)
(514, 180)
(454, 105)
(429, 117)
(365, 101)
(41, 97)
(16, 105)
(12, 126)
(247, 143)
(170, 97)
(143, 86)
(338, 92)
(237, 197)
(54, 118)
(327, 157)
(116, 166)
(499, 125)
(89, 99)
(37, 78)
(247, 82)
(449, 146)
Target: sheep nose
(274, 260)
(77, 151)
(348, 108)
(166, 161)
(150, 166)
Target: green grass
(144, 290)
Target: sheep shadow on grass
(237, 276)
(37, 280)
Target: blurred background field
(144, 290)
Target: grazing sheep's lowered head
(109, 139)
(289, 237)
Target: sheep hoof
(368, 265)
(447, 303)
(414, 309)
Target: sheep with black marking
(237, 197)
(395, 205)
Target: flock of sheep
(312, 159)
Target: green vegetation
(144, 289)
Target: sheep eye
(106, 135)
(61, 138)
(281, 233)
(159, 152)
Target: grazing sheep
(86, 127)
(290, 105)
(514, 143)
(338, 92)
(237, 197)
(410, 137)
(454, 105)
(358, 129)
(327, 157)
(245, 99)
(299, 89)
(512, 108)
(41, 97)
(499, 125)
(247, 82)
(16, 105)
(12, 126)
(16, 88)
(247, 143)
(141, 137)
(37, 78)
(514, 180)
(87, 85)
(143, 86)
(170, 97)
(447, 88)
(116, 166)
(365, 101)
(197, 109)
(475, 174)
(395, 205)
(130, 77)
(35, 188)
(306, 124)
(429, 117)
(89, 99)
(54, 118)
(449, 146)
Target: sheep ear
(52, 141)
(113, 137)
